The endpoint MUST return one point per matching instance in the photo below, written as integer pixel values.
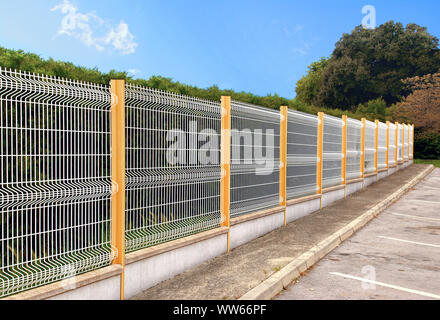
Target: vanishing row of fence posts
(91, 172)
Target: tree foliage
(369, 63)
(422, 106)
(373, 109)
(307, 88)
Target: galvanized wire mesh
(405, 142)
(55, 186)
(370, 147)
(172, 166)
(332, 152)
(354, 152)
(302, 132)
(255, 158)
(382, 146)
(392, 145)
(399, 142)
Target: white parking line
(413, 242)
(421, 293)
(414, 217)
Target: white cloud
(121, 39)
(303, 49)
(298, 28)
(84, 26)
(133, 72)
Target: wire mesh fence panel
(392, 145)
(172, 166)
(255, 158)
(55, 187)
(411, 137)
(382, 146)
(405, 142)
(399, 142)
(332, 152)
(354, 152)
(370, 147)
(302, 132)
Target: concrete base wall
(302, 209)
(382, 175)
(252, 229)
(353, 187)
(329, 197)
(108, 289)
(392, 170)
(369, 180)
(144, 274)
(400, 166)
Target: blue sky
(261, 47)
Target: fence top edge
(172, 95)
(14, 74)
(238, 104)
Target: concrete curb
(281, 279)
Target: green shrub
(427, 146)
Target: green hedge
(427, 146)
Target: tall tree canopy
(422, 106)
(307, 88)
(369, 63)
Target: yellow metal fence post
(412, 150)
(225, 149)
(118, 173)
(403, 143)
(387, 153)
(407, 149)
(283, 159)
(376, 146)
(344, 152)
(396, 150)
(319, 153)
(363, 148)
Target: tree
(368, 64)
(373, 109)
(307, 87)
(422, 106)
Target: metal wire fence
(56, 169)
(332, 152)
(382, 146)
(354, 152)
(399, 143)
(370, 146)
(392, 145)
(302, 129)
(405, 142)
(411, 139)
(255, 158)
(172, 166)
(55, 186)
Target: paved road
(396, 256)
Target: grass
(436, 163)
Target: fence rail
(190, 165)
